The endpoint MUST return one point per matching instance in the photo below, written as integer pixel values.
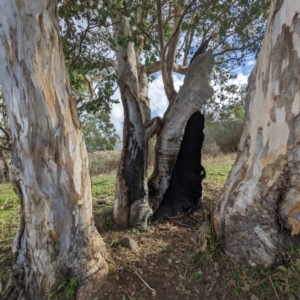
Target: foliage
(235, 29)
(99, 133)
(103, 162)
(225, 134)
(87, 50)
(225, 108)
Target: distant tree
(99, 133)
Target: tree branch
(181, 69)
(5, 132)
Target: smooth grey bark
(56, 235)
(258, 213)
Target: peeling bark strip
(195, 91)
(259, 210)
(56, 235)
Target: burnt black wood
(201, 49)
(185, 187)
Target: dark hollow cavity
(185, 189)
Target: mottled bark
(56, 235)
(192, 95)
(131, 206)
(258, 214)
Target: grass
(9, 216)
(103, 194)
(103, 186)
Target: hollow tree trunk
(185, 188)
(258, 213)
(175, 149)
(56, 235)
(131, 206)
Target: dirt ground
(169, 265)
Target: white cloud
(240, 79)
(158, 99)
(117, 114)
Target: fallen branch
(274, 287)
(180, 216)
(180, 224)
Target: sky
(158, 99)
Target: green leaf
(282, 268)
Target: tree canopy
(166, 34)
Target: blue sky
(158, 99)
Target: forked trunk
(179, 142)
(56, 236)
(258, 214)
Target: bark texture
(56, 235)
(131, 206)
(258, 213)
(195, 91)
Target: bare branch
(5, 132)
(181, 69)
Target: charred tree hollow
(185, 188)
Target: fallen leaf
(282, 268)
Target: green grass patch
(103, 186)
(217, 169)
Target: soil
(169, 265)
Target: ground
(167, 264)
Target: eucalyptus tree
(258, 213)
(139, 38)
(56, 237)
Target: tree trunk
(185, 188)
(56, 235)
(131, 206)
(177, 153)
(258, 213)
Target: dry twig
(274, 287)
(145, 283)
(180, 224)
